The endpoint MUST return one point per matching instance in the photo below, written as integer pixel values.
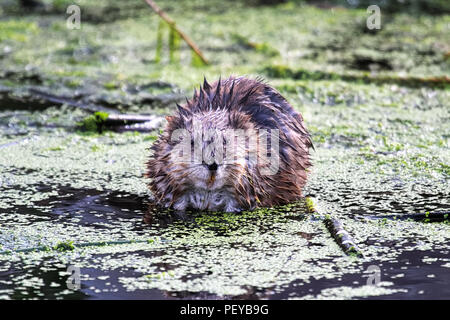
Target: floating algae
(381, 151)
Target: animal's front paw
(232, 209)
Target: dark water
(112, 209)
(100, 209)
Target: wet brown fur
(248, 104)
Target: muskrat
(187, 169)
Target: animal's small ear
(169, 118)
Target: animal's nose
(212, 166)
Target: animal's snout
(211, 167)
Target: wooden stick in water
(173, 25)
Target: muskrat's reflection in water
(217, 220)
(156, 215)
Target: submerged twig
(436, 216)
(146, 126)
(128, 118)
(100, 121)
(60, 100)
(281, 71)
(173, 26)
(342, 237)
(105, 117)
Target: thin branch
(172, 24)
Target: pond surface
(98, 201)
(381, 158)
